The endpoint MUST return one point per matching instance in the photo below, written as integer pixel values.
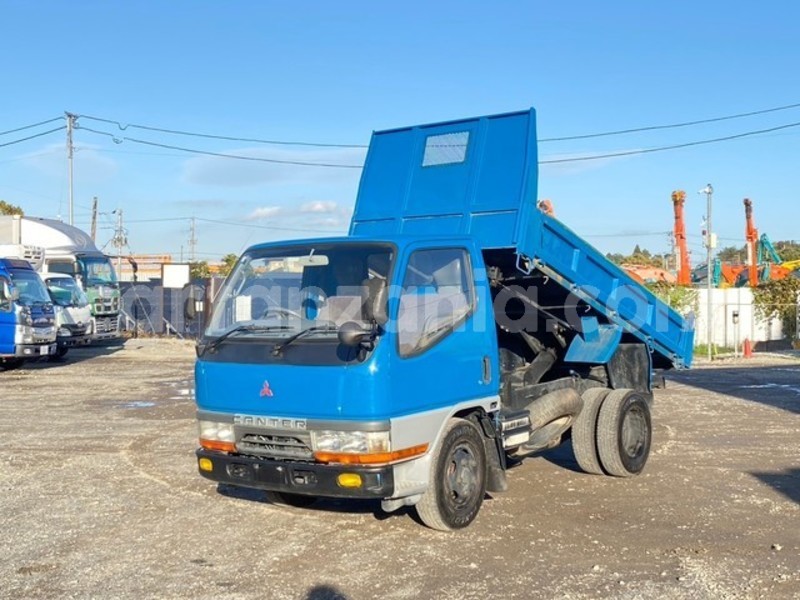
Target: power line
(671, 147)
(672, 125)
(221, 154)
(232, 223)
(119, 140)
(220, 137)
(124, 127)
(30, 137)
(31, 126)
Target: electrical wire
(31, 126)
(670, 126)
(232, 223)
(219, 137)
(30, 137)
(119, 140)
(124, 127)
(670, 147)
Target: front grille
(74, 328)
(108, 325)
(274, 446)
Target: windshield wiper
(249, 328)
(277, 349)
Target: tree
(733, 254)
(778, 300)
(788, 250)
(9, 209)
(199, 270)
(227, 264)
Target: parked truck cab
(27, 320)
(455, 329)
(70, 251)
(72, 311)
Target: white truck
(68, 250)
(72, 311)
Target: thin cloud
(319, 206)
(89, 163)
(264, 212)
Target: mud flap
(495, 456)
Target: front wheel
(458, 479)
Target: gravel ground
(100, 498)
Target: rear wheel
(458, 479)
(584, 431)
(624, 433)
(289, 499)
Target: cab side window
(437, 295)
(5, 295)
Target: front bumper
(70, 341)
(34, 350)
(310, 479)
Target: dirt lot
(99, 497)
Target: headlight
(216, 432)
(25, 316)
(64, 332)
(351, 442)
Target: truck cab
(96, 277)
(27, 319)
(72, 311)
(455, 329)
(62, 248)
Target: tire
(457, 482)
(551, 416)
(584, 431)
(9, 364)
(61, 352)
(624, 433)
(289, 499)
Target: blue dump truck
(455, 330)
(27, 318)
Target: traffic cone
(747, 349)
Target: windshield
(97, 271)
(65, 291)
(286, 290)
(30, 287)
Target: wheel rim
(634, 432)
(461, 477)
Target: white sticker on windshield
(243, 308)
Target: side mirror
(374, 294)
(352, 334)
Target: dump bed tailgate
(479, 177)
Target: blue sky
(331, 72)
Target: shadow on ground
(777, 386)
(786, 482)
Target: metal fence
(149, 308)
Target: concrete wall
(725, 333)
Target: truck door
(7, 317)
(445, 337)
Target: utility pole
(70, 152)
(120, 241)
(94, 219)
(710, 243)
(192, 241)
